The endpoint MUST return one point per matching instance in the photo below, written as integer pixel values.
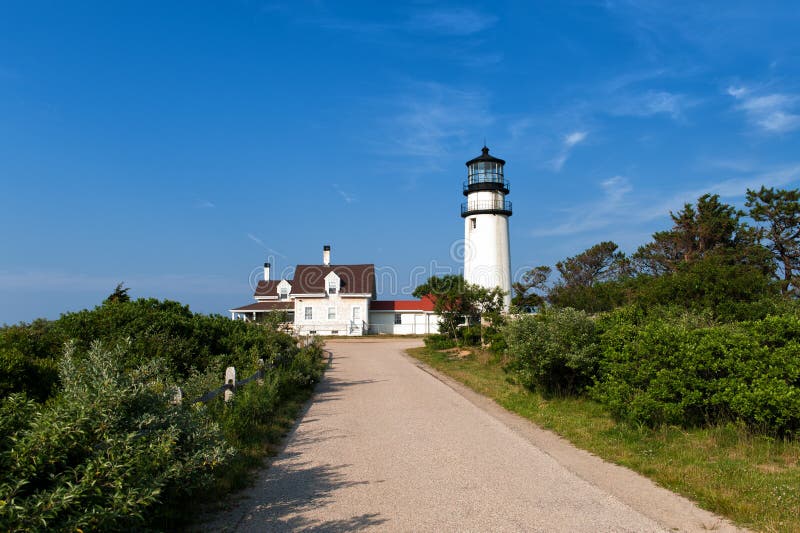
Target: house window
(312, 332)
(398, 318)
(332, 286)
(309, 313)
(283, 293)
(334, 332)
(356, 313)
(474, 223)
(331, 313)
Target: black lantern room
(485, 173)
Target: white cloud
(729, 189)
(255, 239)
(261, 243)
(737, 92)
(653, 103)
(204, 204)
(455, 21)
(612, 207)
(569, 142)
(771, 113)
(432, 119)
(574, 138)
(346, 196)
(619, 208)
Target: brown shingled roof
(310, 279)
(356, 279)
(266, 306)
(267, 288)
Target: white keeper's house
(331, 299)
(328, 299)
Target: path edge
(669, 509)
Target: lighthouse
(487, 256)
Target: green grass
(754, 480)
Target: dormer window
(333, 286)
(284, 288)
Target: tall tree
(601, 262)
(454, 299)
(709, 227)
(779, 212)
(119, 295)
(530, 290)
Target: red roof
(425, 304)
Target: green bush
(470, 335)
(29, 359)
(680, 371)
(186, 342)
(437, 341)
(555, 351)
(104, 451)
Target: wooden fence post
(177, 396)
(260, 380)
(230, 379)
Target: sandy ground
(390, 445)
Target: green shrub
(437, 341)
(555, 351)
(29, 356)
(470, 335)
(680, 371)
(186, 342)
(104, 451)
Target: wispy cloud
(422, 30)
(623, 209)
(451, 21)
(731, 189)
(609, 209)
(204, 204)
(651, 103)
(255, 239)
(570, 141)
(261, 243)
(346, 196)
(432, 118)
(770, 113)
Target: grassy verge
(754, 480)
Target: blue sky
(176, 146)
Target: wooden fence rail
(228, 388)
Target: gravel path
(388, 445)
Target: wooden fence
(228, 387)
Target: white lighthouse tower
(487, 257)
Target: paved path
(388, 446)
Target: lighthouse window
(474, 223)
